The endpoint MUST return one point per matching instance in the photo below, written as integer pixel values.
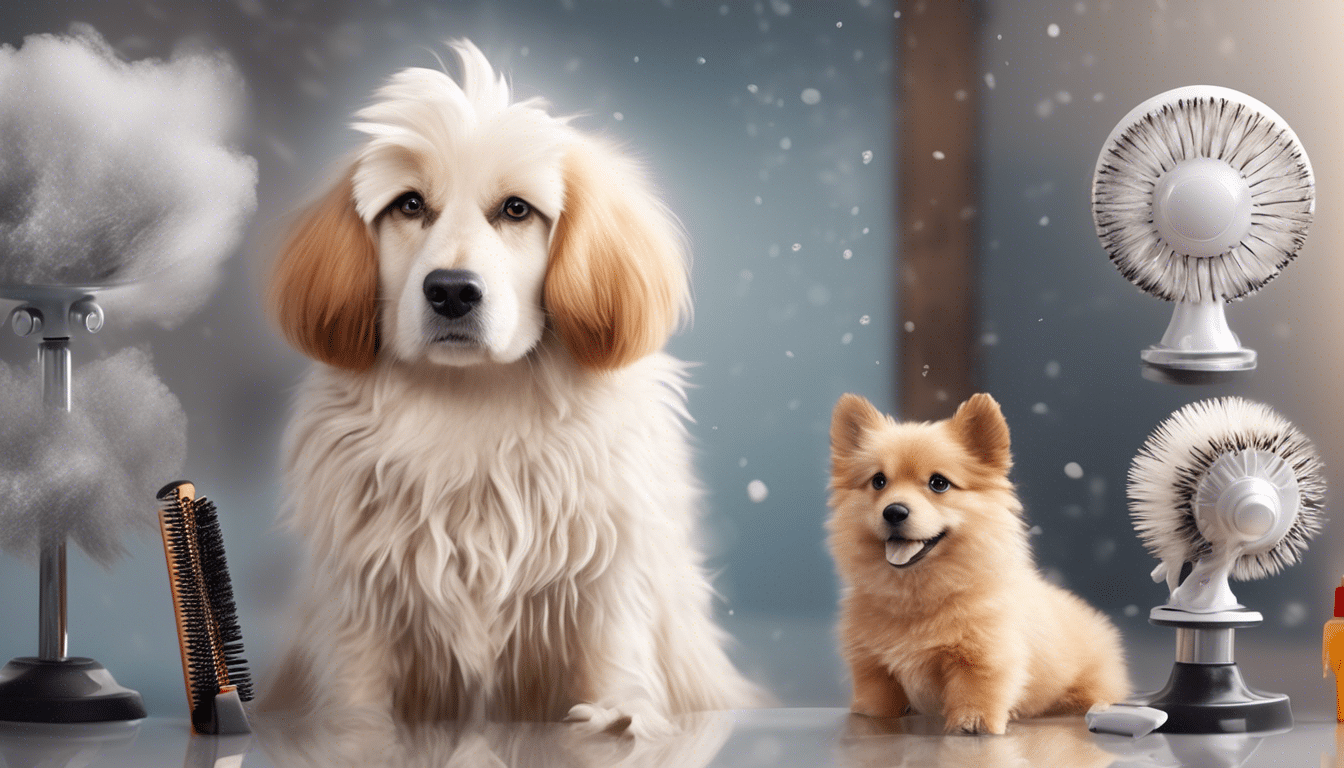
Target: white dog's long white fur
(499, 518)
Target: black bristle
(212, 637)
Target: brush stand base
(1213, 698)
(70, 690)
(1181, 366)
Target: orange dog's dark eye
(939, 484)
(879, 481)
(410, 204)
(516, 208)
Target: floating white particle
(941, 395)
(523, 51)
(896, 15)
(989, 339)
(1294, 614)
(1045, 108)
(865, 320)
(1044, 221)
(1098, 96)
(785, 143)
(1052, 30)
(839, 24)
(848, 337)
(961, 94)
(989, 80)
(756, 491)
(1040, 409)
(758, 199)
(788, 353)
(745, 275)
(636, 59)
(865, 230)
(810, 96)
(1063, 97)
(1080, 8)
(854, 211)
(1073, 470)
(867, 156)
(1035, 530)
(742, 462)
(797, 247)
(795, 405)
(847, 254)
(938, 154)
(751, 88)
(909, 326)
(618, 116)
(723, 11)
(925, 372)
(700, 60)
(1131, 610)
(1052, 366)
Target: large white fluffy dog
(489, 466)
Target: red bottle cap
(1339, 599)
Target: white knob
(88, 315)
(26, 321)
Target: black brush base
(71, 690)
(1213, 698)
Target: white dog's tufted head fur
(467, 226)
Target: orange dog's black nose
(453, 293)
(895, 513)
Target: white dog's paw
(639, 719)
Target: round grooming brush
(1223, 488)
(1200, 196)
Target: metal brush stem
(54, 356)
(1204, 646)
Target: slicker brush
(1222, 488)
(216, 673)
(1201, 196)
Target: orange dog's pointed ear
(852, 417)
(980, 426)
(324, 288)
(616, 283)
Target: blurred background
(780, 134)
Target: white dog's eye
(516, 208)
(410, 204)
(939, 484)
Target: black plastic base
(72, 690)
(1213, 698)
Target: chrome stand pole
(54, 357)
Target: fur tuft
(1167, 471)
(1194, 123)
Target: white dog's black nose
(895, 513)
(453, 293)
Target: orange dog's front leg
(877, 693)
(979, 692)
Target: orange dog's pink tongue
(900, 552)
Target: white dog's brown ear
(852, 417)
(616, 284)
(980, 426)
(324, 288)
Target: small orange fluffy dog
(943, 610)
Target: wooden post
(937, 202)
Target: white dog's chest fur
(477, 526)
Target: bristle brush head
(1166, 475)
(1202, 194)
